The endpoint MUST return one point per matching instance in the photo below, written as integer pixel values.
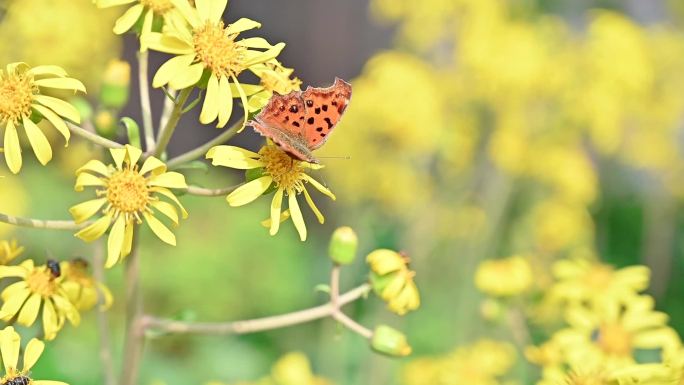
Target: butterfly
(301, 121)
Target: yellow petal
(51, 324)
(133, 154)
(211, 10)
(146, 29)
(187, 77)
(167, 43)
(128, 19)
(84, 179)
(12, 271)
(95, 230)
(152, 165)
(12, 148)
(82, 211)
(210, 107)
(48, 70)
(39, 143)
(296, 214)
(276, 206)
(118, 154)
(13, 289)
(112, 3)
(242, 24)
(245, 102)
(160, 230)
(29, 312)
(9, 346)
(191, 15)
(128, 239)
(55, 120)
(59, 106)
(12, 305)
(319, 186)
(249, 191)
(256, 42)
(94, 165)
(171, 69)
(311, 203)
(167, 209)
(62, 84)
(225, 100)
(220, 153)
(115, 241)
(169, 179)
(64, 306)
(254, 57)
(32, 353)
(167, 193)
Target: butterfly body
(301, 121)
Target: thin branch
(41, 223)
(103, 319)
(133, 346)
(352, 325)
(166, 132)
(201, 191)
(254, 325)
(169, 102)
(95, 138)
(143, 80)
(201, 150)
(337, 314)
(335, 285)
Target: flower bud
(105, 123)
(392, 280)
(343, 245)
(389, 341)
(115, 90)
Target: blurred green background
(478, 129)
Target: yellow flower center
(285, 171)
(217, 50)
(127, 191)
(157, 6)
(614, 339)
(42, 281)
(16, 94)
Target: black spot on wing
(330, 124)
(310, 120)
(319, 129)
(325, 107)
(317, 110)
(296, 124)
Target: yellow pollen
(285, 171)
(41, 281)
(614, 339)
(157, 6)
(127, 191)
(218, 51)
(16, 94)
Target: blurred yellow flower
(279, 169)
(392, 280)
(22, 91)
(10, 346)
(204, 45)
(128, 195)
(586, 281)
(81, 288)
(608, 337)
(481, 363)
(40, 286)
(9, 250)
(295, 369)
(504, 277)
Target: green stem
(145, 106)
(135, 336)
(200, 151)
(95, 138)
(167, 131)
(103, 319)
(206, 192)
(42, 224)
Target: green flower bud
(115, 85)
(390, 341)
(343, 244)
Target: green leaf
(132, 130)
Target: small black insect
(55, 270)
(21, 380)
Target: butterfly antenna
(347, 157)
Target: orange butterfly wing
(324, 108)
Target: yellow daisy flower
(280, 170)
(610, 335)
(21, 96)
(81, 288)
(392, 280)
(204, 45)
(9, 250)
(504, 277)
(128, 195)
(147, 10)
(39, 285)
(10, 346)
(274, 78)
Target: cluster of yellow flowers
(291, 369)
